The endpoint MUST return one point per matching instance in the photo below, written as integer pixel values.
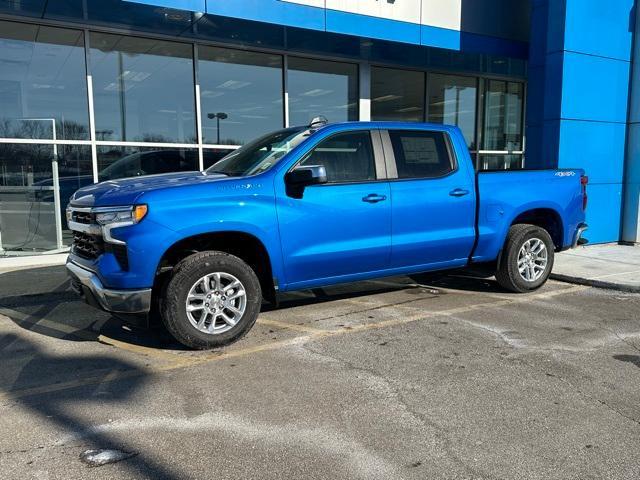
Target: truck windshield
(261, 154)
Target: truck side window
(347, 157)
(421, 154)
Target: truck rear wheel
(527, 259)
(212, 300)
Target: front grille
(87, 246)
(88, 242)
(83, 217)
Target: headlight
(121, 215)
(114, 217)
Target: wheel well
(242, 245)
(544, 218)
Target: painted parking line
(290, 326)
(184, 362)
(173, 358)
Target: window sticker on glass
(422, 150)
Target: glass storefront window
(213, 155)
(452, 100)
(144, 92)
(500, 162)
(43, 88)
(504, 102)
(397, 95)
(143, 89)
(318, 87)
(27, 199)
(123, 162)
(241, 92)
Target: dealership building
(94, 90)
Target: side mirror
(296, 180)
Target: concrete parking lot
(400, 378)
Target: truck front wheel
(212, 300)
(527, 259)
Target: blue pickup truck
(307, 207)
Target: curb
(620, 287)
(17, 263)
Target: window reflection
(27, 201)
(503, 116)
(241, 93)
(397, 95)
(452, 100)
(143, 89)
(500, 162)
(317, 87)
(124, 162)
(43, 90)
(213, 155)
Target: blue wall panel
(190, 5)
(555, 28)
(604, 212)
(474, 43)
(581, 69)
(598, 147)
(440, 37)
(553, 93)
(272, 11)
(372, 27)
(600, 27)
(594, 88)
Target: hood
(125, 191)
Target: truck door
(341, 228)
(433, 200)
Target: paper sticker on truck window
(421, 150)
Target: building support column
(578, 99)
(364, 107)
(631, 218)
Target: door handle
(459, 192)
(374, 198)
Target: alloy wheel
(216, 303)
(533, 258)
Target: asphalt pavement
(422, 377)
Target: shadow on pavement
(633, 359)
(49, 307)
(40, 300)
(62, 408)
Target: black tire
(508, 275)
(185, 275)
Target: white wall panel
(310, 3)
(436, 13)
(442, 13)
(402, 10)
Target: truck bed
(503, 196)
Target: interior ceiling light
(386, 98)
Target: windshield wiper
(210, 172)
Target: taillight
(584, 181)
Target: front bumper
(87, 284)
